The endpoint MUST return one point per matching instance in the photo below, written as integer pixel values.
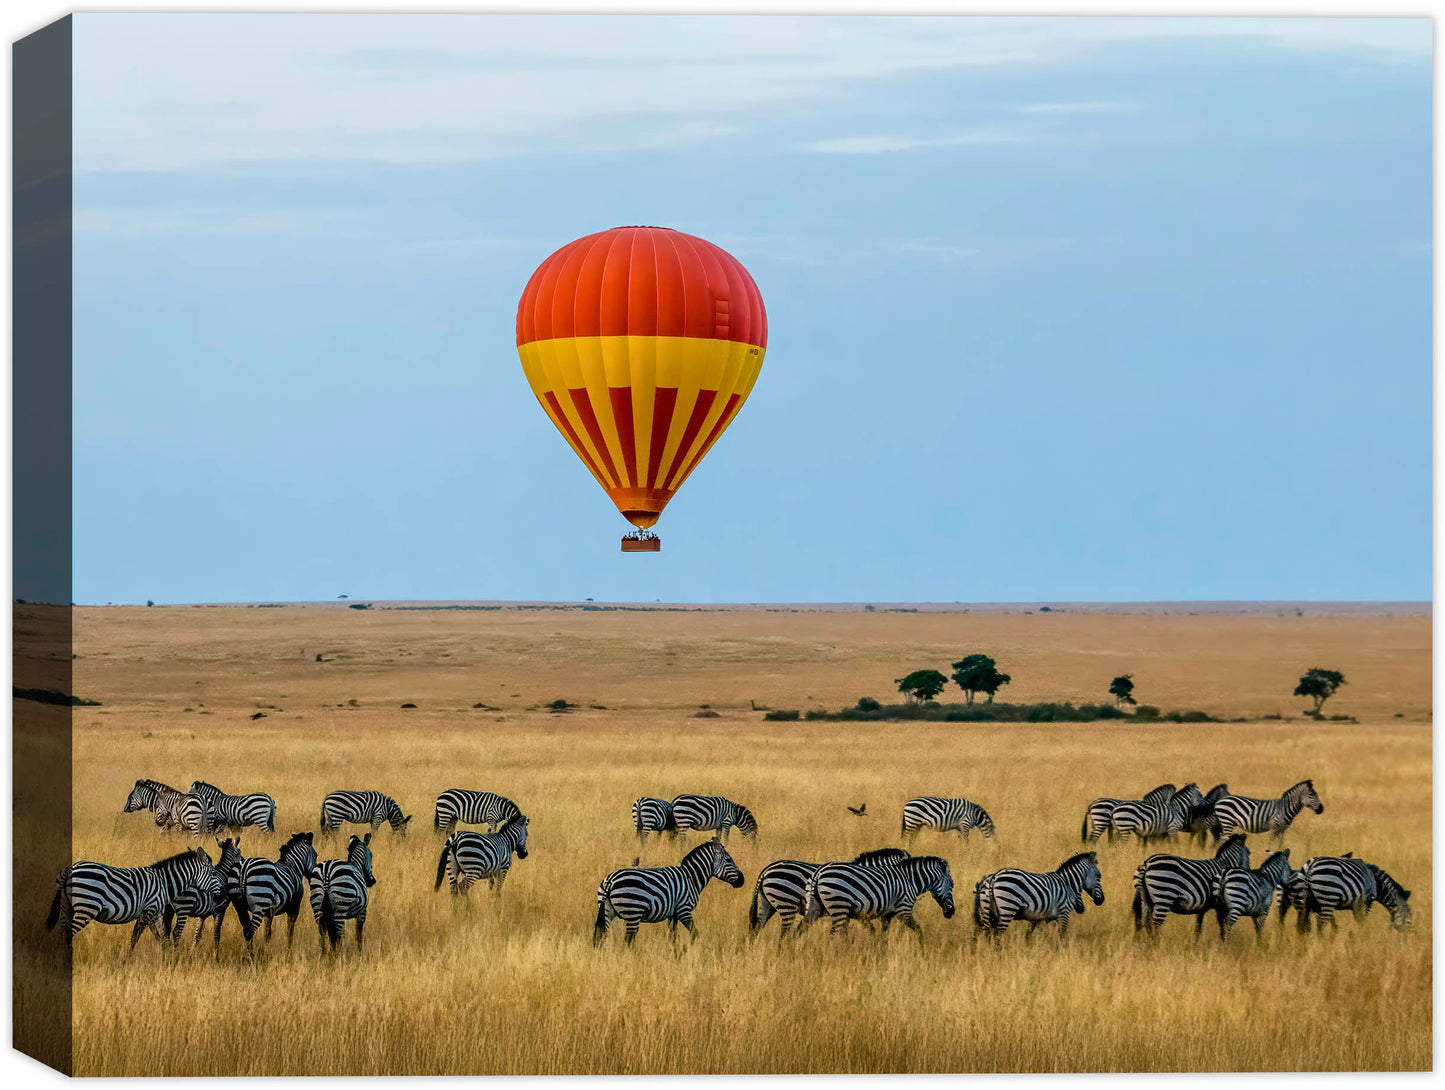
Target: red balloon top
(644, 282)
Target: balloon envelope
(641, 343)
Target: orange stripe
(571, 433)
(621, 397)
(664, 401)
(589, 421)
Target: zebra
(640, 895)
(1172, 883)
(469, 857)
(472, 808)
(1011, 894)
(262, 889)
(87, 892)
(651, 815)
(1099, 817)
(782, 886)
(886, 891)
(958, 815)
(196, 814)
(1330, 883)
(1202, 819)
(1237, 814)
(238, 811)
(1239, 892)
(713, 813)
(205, 899)
(361, 808)
(338, 891)
(160, 799)
(1157, 820)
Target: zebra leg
(1064, 923)
(497, 883)
(1226, 920)
(291, 914)
(907, 920)
(632, 926)
(1259, 927)
(837, 923)
(360, 926)
(270, 919)
(1029, 934)
(1199, 923)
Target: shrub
(782, 715)
(1146, 711)
(868, 704)
(816, 713)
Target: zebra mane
(176, 860)
(158, 784)
(516, 819)
(1387, 884)
(296, 838)
(1092, 857)
(1217, 792)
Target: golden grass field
(515, 986)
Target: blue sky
(1060, 309)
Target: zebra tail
(599, 929)
(442, 864)
(271, 818)
(814, 905)
(243, 912)
(329, 923)
(54, 917)
(753, 906)
(1084, 829)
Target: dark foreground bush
(782, 715)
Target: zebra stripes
(1237, 814)
(469, 857)
(338, 891)
(458, 805)
(94, 892)
(651, 815)
(638, 895)
(884, 891)
(1327, 884)
(1099, 817)
(945, 815)
(361, 808)
(714, 814)
(1202, 818)
(160, 799)
(1172, 883)
(238, 811)
(1239, 892)
(262, 890)
(206, 899)
(1011, 894)
(1159, 819)
(781, 888)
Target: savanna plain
(514, 985)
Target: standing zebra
(1099, 817)
(781, 888)
(361, 808)
(472, 808)
(469, 857)
(713, 813)
(206, 899)
(1240, 892)
(957, 815)
(1171, 883)
(196, 814)
(160, 799)
(1329, 884)
(1011, 894)
(338, 891)
(1237, 814)
(1202, 819)
(237, 811)
(262, 890)
(640, 895)
(651, 815)
(885, 891)
(88, 891)
(1158, 820)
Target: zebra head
(515, 832)
(1394, 897)
(1276, 867)
(711, 860)
(231, 858)
(358, 854)
(141, 796)
(930, 874)
(1305, 791)
(299, 853)
(746, 823)
(394, 815)
(1234, 852)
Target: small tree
(921, 685)
(978, 674)
(1319, 685)
(1122, 689)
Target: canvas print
(670, 544)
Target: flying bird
(858, 811)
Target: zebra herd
(883, 885)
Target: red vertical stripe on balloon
(717, 429)
(622, 416)
(664, 401)
(704, 402)
(571, 432)
(589, 421)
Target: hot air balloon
(641, 344)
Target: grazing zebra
(469, 857)
(238, 811)
(1172, 883)
(713, 813)
(1011, 894)
(361, 808)
(1157, 820)
(1328, 884)
(1237, 814)
(781, 888)
(1099, 817)
(262, 890)
(957, 815)
(205, 899)
(1202, 819)
(88, 891)
(640, 895)
(472, 808)
(338, 891)
(1239, 892)
(161, 800)
(886, 891)
(651, 815)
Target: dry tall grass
(515, 986)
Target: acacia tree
(1122, 689)
(1319, 685)
(921, 685)
(978, 674)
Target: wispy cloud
(882, 145)
(1102, 106)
